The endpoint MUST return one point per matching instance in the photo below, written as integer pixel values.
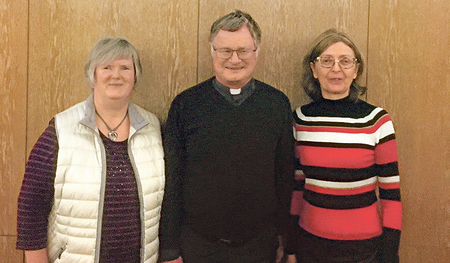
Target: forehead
(234, 39)
(338, 49)
(120, 60)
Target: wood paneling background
(13, 91)
(409, 75)
(63, 32)
(44, 46)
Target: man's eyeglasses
(344, 62)
(226, 53)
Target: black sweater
(229, 169)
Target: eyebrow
(343, 55)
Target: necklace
(112, 134)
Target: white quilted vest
(75, 220)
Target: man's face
(234, 72)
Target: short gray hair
(108, 49)
(232, 22)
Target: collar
(246, 91)
(137, 121)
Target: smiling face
(234, 72)
(114, 80)
(335, 82)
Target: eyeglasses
(226, 53)
(345, 62)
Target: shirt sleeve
(36, 194)
(174, 152)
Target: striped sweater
(347, 154)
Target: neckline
(103, 136)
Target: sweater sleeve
(285, 169)
(36, 194)
(389, 190)
(292, 241)
(171, 207)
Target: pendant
(112, 135)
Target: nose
(115, 73)
(336, 66)
(234, 57)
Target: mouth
(335, 80)
(234, 68)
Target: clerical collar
(235, 96)
(235, 91)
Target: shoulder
(143, 121)
(365, 105)
(262, 86)
(148, 116)
(272, 92)
(371, 111)
(194, 97)
(198, 90)
(75, 109)
(71, 116)
(309, 109)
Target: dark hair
(310, 84)
(232, 22)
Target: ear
(257, 51)
(355, 74)
(212, 50)
(313, 68)
(94, 77)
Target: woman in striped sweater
(346, 206)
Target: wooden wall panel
(8, 252)
(63, 32)
(287, 27)
(409, 76)
(13, 81)
(405, 43)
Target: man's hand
(280, 250)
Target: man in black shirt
(229, 158)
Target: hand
(36, 256)
(280, 250)
(291, 259)
(178, 260)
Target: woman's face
(335, 81)
(115, 80)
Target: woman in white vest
(94, 181)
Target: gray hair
(331, 36)
(232, 22)
(108, 49)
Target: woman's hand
(36, 256)
(291, 259)
(178, 260)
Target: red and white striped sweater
(347, 152)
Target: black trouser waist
(226, 240)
